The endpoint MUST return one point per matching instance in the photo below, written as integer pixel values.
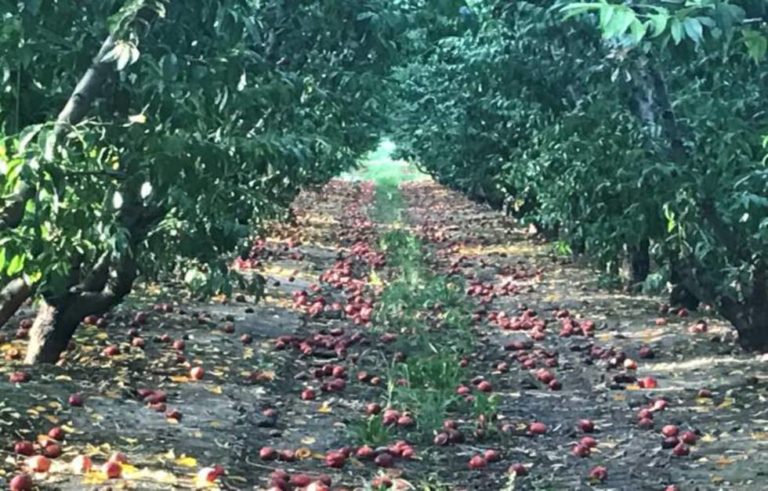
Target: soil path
(296, 371)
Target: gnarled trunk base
(52, 330)
(754, 337)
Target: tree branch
(75, 109)
(12, 296)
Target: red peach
(118, 457)
(477, 462)
(52, 451)
(112, 470)
(580, 451)
(537, 428)
(197, 373)
(384, 460)
(81, 464)
(586, 425)
(39, 463)
(307, 394)
(24, 447)
(21, 482)
(588, 442)
(681, 450)
(492, 455)
(365, 453)
(689, 437)
(267, 453)
(669, 430)
(647, 383)
(484, 386)
(372, 408)
(598, 473)
(75, 400)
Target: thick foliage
(621, 144)
(200, 124)
(230, 108)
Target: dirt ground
(259, 358)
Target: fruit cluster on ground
(442, 349)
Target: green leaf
(677, 31)
(694, 29)
(574, 9)
(659, 23)
(606, 15)
(2, 259)
(756, 43)
(619, 21)
(638, 30)
(15, 265)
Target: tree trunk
(58, 317)
(753, 314)
(52, 330)
(685, 291)
(639, 262)
(754, 336)
(12, 297)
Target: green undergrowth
(388, 202)
(431, 316)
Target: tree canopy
(148, 138)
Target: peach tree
(630, 132)
(183, 130)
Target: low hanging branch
(75, 109)
(12, 297)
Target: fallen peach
(477, 462)
(81, 464)
(39, 463)
(598, 473)
(537, 428)
(586, 425)
(21, 482)
(197, 373)
(112, 469)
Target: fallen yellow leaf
(179, 379)
(216, 389)
(308, 440)
(186, 461)
(94, 477)
(722, 461)
(303, 453)
(324, 408)
(727, 402)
